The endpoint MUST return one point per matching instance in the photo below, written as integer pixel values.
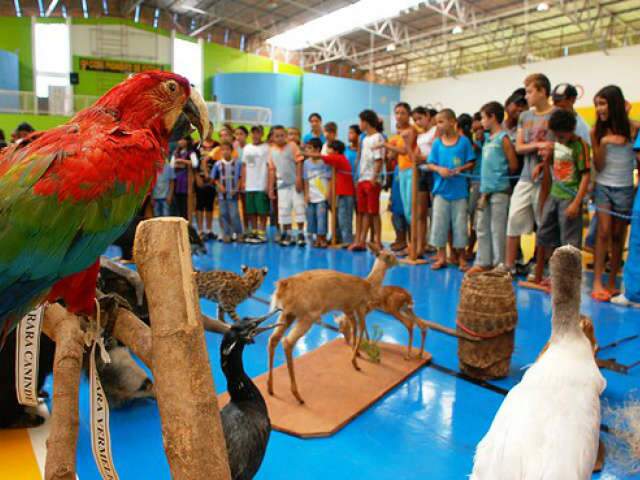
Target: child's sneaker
(260, 237)
(285, 241)
(211, 236)
(301, 240)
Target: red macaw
(69, 192)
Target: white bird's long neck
(566, 279)
(565, 319)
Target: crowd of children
(527, 165)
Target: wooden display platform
(334, 392)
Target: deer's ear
(244, 268)
(374, 248)
(265, 270)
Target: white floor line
(39, 437)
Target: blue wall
(279, 92)
(9, 80)
(342, 99)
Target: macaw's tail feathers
(78, 290)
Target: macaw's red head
(161, 101)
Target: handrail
(62, 102)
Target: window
(52, 52)
(187, 61)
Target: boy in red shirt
(345, 191)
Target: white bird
(548, 426)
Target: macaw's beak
(197, 113)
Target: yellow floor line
(17, 459)
(23, 451)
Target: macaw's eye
(172, 86)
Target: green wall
(15, 36)
(97, 83)
(9, 121)
(221, 59)
(290, 69)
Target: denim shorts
(449, 215)
(616, 199)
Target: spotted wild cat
(229, 289)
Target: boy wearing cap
(564, 96)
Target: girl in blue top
(451, 155)
(499, 160)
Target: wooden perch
(67, 331)
(135, 334)
(191, 426)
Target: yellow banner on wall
(116, 66)
(589, 113)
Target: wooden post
(191, 426)
(412, 258)
(66, 330)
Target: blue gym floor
(426, 428)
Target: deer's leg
(298, 330)
(353, 328)
(423, 335)
(274, 339)
(413, 318)
(360, 315)
(408, 324)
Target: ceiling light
(194, 9)
(542, 7)
(457, 30)
(339, 22)
(391, 47)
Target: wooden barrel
(487, 310)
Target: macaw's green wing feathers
(64, 197)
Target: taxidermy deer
(397, 302)
(304, 297)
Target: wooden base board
(334, 392)
(337, 245)
(533, 286)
